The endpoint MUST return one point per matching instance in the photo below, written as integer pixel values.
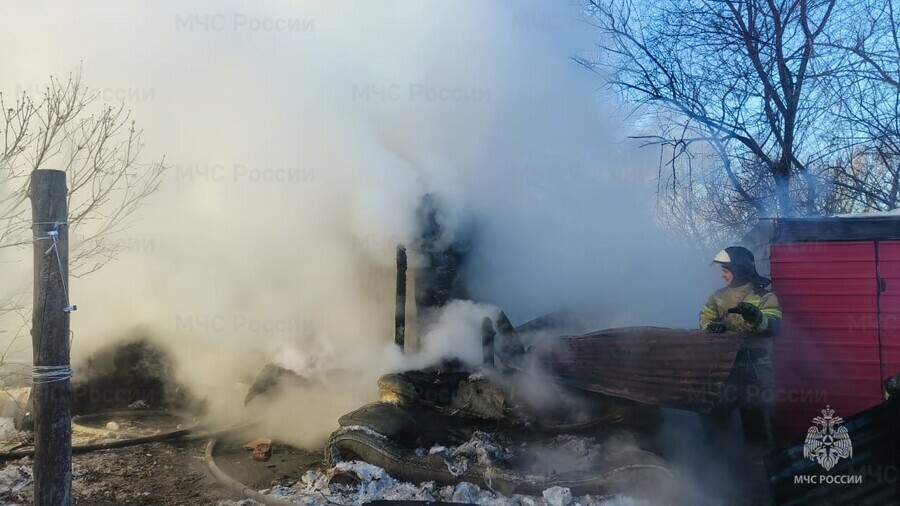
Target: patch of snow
(466, 492)
(360, 428)
(14, 478)
(376, 484)
(558, 496)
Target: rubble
(354, 482)
(262, 449)
(271, 379)
(172, 474)
(139, 404)
(373, 484)
(134, 374)
(482, 448)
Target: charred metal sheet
(683, 369)
(872, 468)
(560, 321)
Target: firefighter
(745, 306)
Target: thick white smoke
(301, 138)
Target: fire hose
(188, 433)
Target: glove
(716, 327)
(749, 312)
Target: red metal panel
(889, 305)
(827, 286)
(847, 322)
(814, 303)
(827, 352)
(828, 270)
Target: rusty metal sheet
(683, 369)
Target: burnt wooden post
(512, 345)
(52, 389)
(487, 341)
(400, 310)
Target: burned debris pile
(450, 427)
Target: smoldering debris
(483, 449)
(354, 482)
(441, 252)
(272, 379)
(533, 162)
(136, 373)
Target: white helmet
(722, 257)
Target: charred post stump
(487, 342)
(512, 350)
(52, 389)
(400, 310)
(438, 278)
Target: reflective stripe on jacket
(716, 309)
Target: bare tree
(99, 148)
(97, 145)
(867, 89)
(731, 82)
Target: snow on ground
(374, 483)
(14, 478)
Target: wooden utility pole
(400, 309)
(52, 389)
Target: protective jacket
(716, 309)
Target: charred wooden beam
(438, 279)
(400, 308)
(487, 341)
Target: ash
(372, 483)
